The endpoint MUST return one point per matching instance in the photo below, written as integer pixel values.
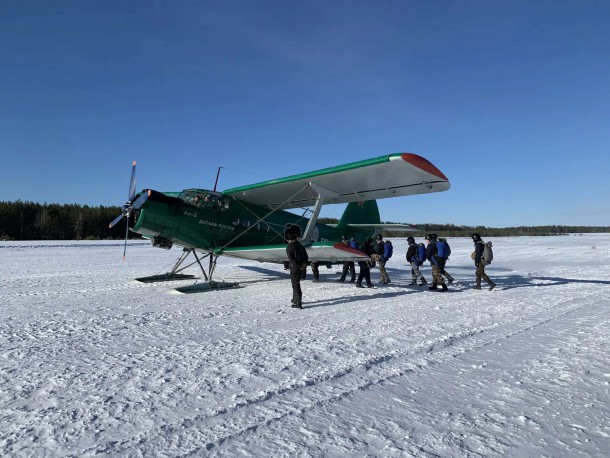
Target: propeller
(130, 206)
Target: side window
(201, 198)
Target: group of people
(365, 266)
(437, 252)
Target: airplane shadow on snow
(402, 276)
(519, 281)
(496, 274)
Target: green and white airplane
(250, 222)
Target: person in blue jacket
(437, 264)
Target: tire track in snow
(272, 406)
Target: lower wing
(317, 252)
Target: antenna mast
(217, 175)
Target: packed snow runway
(95, 363)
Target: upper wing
(317, 252)
(395, 175)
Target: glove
(476, 264)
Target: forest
(34, 221)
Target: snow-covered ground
(94, 363)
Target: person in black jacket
(412, 259)
(480, 262)
(437, 264)
(365, 270)
(297, 260)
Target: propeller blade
(140, 200)
(126, 235)
(116, 220)
(132, 183)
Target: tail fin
(360, 213)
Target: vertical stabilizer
(360, 213)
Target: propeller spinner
(130, 205)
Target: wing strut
(323, 194)
(219, 250)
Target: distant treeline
(32, 221)
(451, 230)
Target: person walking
(381, 259)
(365, 270)
(297, 260)
(444, 251)
(414, 258)
(348, 266)
(437, 264)
(315, 270)
(480, 262)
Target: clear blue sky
(510, 99)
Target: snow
(95, 363)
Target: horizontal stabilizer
(386, 227)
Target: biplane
(251, 222)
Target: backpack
(443, 248)
(420, 254)
(388, 249)
(488, 254)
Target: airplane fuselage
(222, 221)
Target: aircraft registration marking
(214, 224)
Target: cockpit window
(204, 199)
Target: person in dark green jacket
(480, 262)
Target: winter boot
(433, 287)
(297, 302)
(443, 288)
(492, 285)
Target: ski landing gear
(175, 274)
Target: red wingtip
(423, 164)
(343, 247)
